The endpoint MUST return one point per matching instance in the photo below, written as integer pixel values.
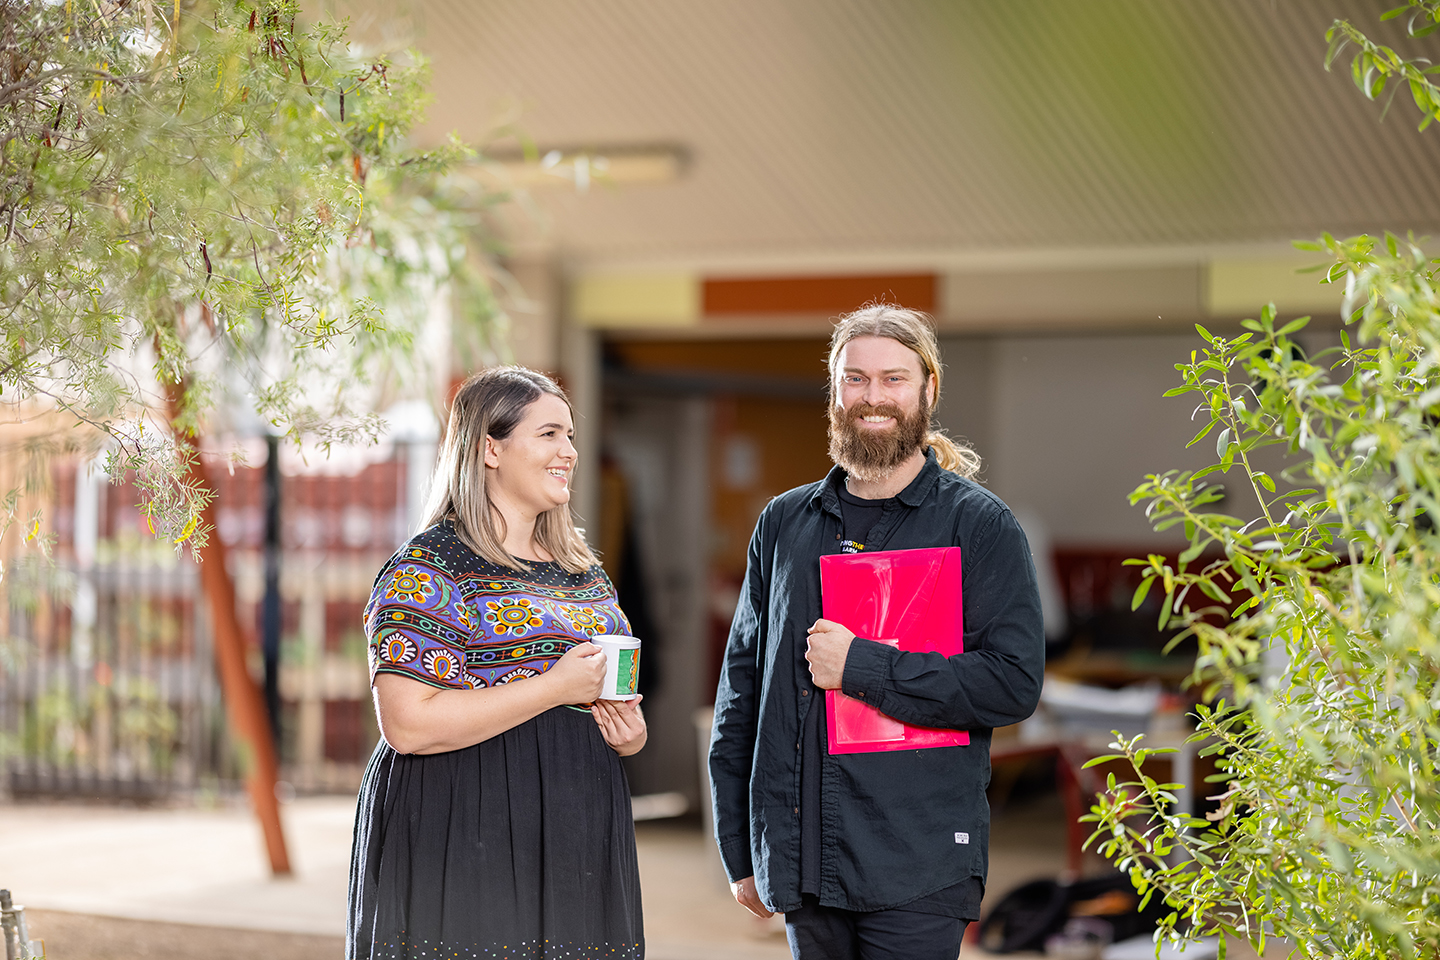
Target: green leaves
(1313, 602)
(1374, 65)
(1140, 593)
(282, 250)
(1222, 444)
(1203, 432)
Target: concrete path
(207, 867)
(185, 866)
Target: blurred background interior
(1068, 186)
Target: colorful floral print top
(440, 614)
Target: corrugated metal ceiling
(823, 127)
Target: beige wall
(1069, 425)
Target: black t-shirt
(860, 516)
(962, 900)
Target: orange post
(244, 706)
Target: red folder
(909, 599)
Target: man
(871, 855)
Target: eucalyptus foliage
(1327, 722)
(1319, 624)
(212, 201)
(1374, 65)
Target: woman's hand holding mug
(578, 675)
(621, 724)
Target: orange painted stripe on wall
(834, 294)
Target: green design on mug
(627, 672)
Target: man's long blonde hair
(492, 403)
(915, 330)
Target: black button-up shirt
(898, 825)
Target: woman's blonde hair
(491, 404)
(915, 330)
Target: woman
(494, 818)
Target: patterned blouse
(441, 614)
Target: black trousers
(829, 933)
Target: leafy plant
(1319, 629)
(209, 212)
(207, 203)
(1374, 65)
(1328, 719)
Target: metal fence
(107, 684)
(111, 690)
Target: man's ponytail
(956, 457)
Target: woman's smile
(531, 467)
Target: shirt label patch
(962, 838)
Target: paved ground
(78, 936)
(116, 883)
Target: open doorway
(698, 437)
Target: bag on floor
(1034, 911)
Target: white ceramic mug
(622, 666)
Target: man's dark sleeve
(997, 680)
(732, 741)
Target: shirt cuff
(867, 670)
(735, 855)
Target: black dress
(522, 846)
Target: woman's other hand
(578, 676)
(621, 724)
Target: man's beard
(872, 455)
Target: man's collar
(828, 496)
(918, 489)
(913, 495)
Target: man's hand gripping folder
(908, 599)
